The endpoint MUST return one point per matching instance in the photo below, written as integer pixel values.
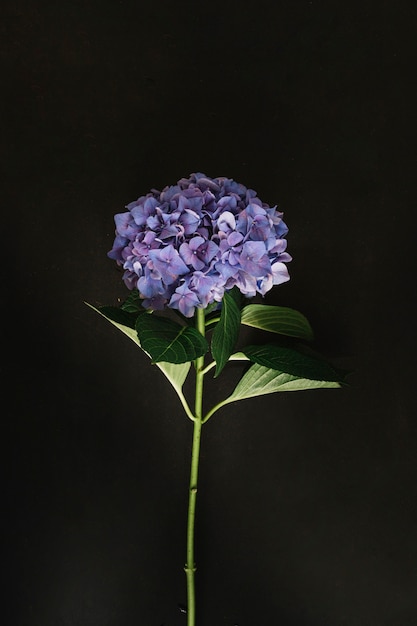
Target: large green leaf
(277, 319)
(175, 373)
(260, 380)
(226, 331)
(292, 362)
(122, 319)
(165, 340)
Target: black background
(307, 502)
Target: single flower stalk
(204, 248)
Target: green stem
(190, 567)
(213, 320)
(214, 409)
(184, 403)
(209, 367)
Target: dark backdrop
(307, 502)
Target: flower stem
(190, 567)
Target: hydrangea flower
(184, 246)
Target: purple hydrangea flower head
(184, 246)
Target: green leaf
(226, 331)
(277, 319)
(133, 303)
(238, 356)
(292, 362)
(123, 320)
(175, 373)
(166, 340)
(260, 380)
